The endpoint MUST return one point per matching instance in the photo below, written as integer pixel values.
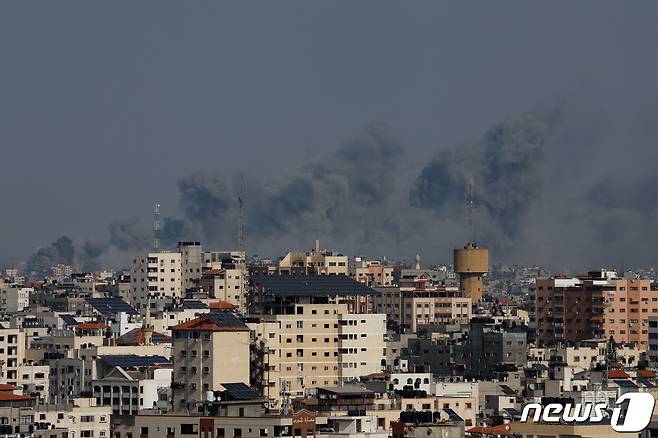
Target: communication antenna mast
(156, 227)
(470, 203)
(241, 200)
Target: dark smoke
(565, 185)
(60, 251)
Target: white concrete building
(34, 380)
(12, 354)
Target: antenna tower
(470, 203)
(241, 200)
(156, 227)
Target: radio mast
(156, 227)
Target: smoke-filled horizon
(359, 124)
(553, 188)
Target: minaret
(147, 327)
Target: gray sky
(104, 106)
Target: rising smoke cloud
(563, 185)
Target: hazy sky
(104, 106)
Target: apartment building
(318, 345)
(594, 305)
(208, 351)
(12, 354)
(191, 263)
(156, 277)
(16, 413)
(79, 418)
(362, 345)
(227, 284)
(34, 380)
(371, 272)
(14, 298)
(628, 310)
(423, 303)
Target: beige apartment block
(226, 285)
(372, 273)
(319, 345)
(362, 349)
(155, 277)
(423, 304)
(208, 351)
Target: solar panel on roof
(507, 390)
(454, 416)
(111, 306)
(646, 382)
(194, 304)
(68, 319)
(226, 319)
(240, 391)
(623, 383)
(132, 360)
(301, 285)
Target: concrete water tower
(471, 262)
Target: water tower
(471, 262)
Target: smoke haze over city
(365, 138)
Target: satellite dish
(210, 396)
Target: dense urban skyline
(364, 138)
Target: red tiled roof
(205, 324)
(136, 337)
(617, 365)
(222, 305)
(5, 387)
(91, 325)
(646, 373)
(617, 374)
(8, 396)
